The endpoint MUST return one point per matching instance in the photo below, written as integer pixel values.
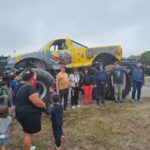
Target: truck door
(79, 54)
(60, 52)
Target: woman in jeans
(87, 87)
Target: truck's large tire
(44, 81)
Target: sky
(27, 25)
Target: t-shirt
(118, 75)
(74, 79)
(101, 77)
(21, 98)
(5, 101)
(63, 80)
(87, 79)
(56, 112)
(4, 124)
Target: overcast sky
(27, 25)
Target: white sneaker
(132, 100)
(78, 106)
(73, 107)
(32, 147)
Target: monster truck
(48, 59)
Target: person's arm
(112, 79)
(57, 87)
(49, 110)
(35, 99)
(131, 66)
(124, 79)
(143, 78)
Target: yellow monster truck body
(72, 54)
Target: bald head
(139, 65)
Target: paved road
(146, 91)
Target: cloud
(28, 25)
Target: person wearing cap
(62, 85)
(87, 87)
(118, 81)
(100, 83)
(137, 75)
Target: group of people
(24, 99)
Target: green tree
(145, 58)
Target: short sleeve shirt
(63, 80)
(21, 97)
(118, 75)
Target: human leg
(27, 141)
(120, 88)
(90, 89)
(85, 89)
(72, 96)
(116, 92)
(66, 92)
(134, 90)
(103, 93)
(98, 94)
(57, 135)
(61, 94)
(139, 87)
(76, 96)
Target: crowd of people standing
(24, 99)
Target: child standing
(56, 112)
(5, 95)
(5, 121)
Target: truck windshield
(77, 45)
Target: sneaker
(139, 100)
(78, 106)
(32, 147)
(73, 107)
(132, 100)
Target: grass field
(110, 127)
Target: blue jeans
(137, 86)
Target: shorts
(30, 123)
(4, 142)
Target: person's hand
(57, 92)
(106, 85)
(95, 86)
(112, 85)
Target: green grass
(110, 127)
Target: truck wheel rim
(41, 87)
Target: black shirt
(21, 98)
(87, 79)
(118, 75)
(56, 112)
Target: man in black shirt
(118, 80)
